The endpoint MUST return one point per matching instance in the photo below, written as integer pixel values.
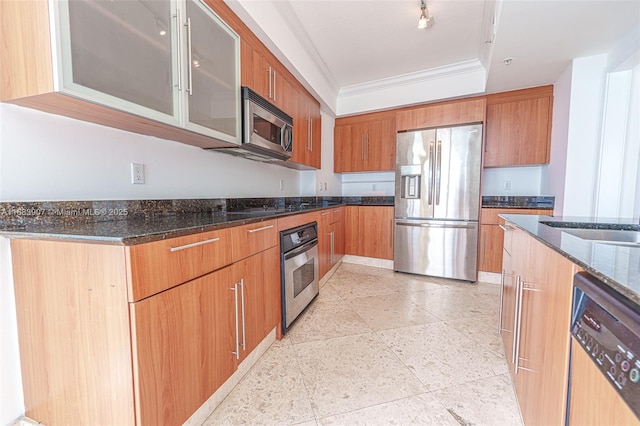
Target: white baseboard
(489, 277)
(368, 261)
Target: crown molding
(412, 78)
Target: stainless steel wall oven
(299, 266)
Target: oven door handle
(299, 250)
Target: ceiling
(357, 42)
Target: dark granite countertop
(617, 266)
(518, 202)
(130, 222)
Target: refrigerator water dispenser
(411, 179)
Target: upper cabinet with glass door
(174, 65)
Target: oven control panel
(612, 347)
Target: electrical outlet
(506, 185)
(137, 173)
(281, 184)
(373, 187)
(320, 188)
(325, 186)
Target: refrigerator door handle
(438, 170)
(430, 197)
(466, 225)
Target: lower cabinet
(492, 236)
(534, 323)
(91, 355)
(330, 238)
(369, 231)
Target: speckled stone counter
(132, 222)
(617, 266)
(518, 202)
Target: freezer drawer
(442, 249)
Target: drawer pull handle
(324, 214)
(505, 228)
(199, 243)
(251, 231)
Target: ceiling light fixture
(425, 21)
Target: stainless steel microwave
(266, 130)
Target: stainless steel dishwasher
(605, 345)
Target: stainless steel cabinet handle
(431, 172)
(428, 225)
(274, 85)
(331, 259)
(362, 147)
(190, 69)
(391, 233)
(235, 290)
(484, 239)
(438, 170)
(516, 323)
(324, 214)
(244, 334)
(310, 134)
(199, 243)
(270, 82)
(505, 228)
(367, 148)
(500, 308)
(178, 23)
(251, 231)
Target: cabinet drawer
(337, 215)
(160, 265)
(253, 238)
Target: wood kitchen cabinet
(492, 236)
(441, 114)
(330, 238)
(518, 127)
(369, 231)
(307, 146)
(534, 323)
(265, 75)
(365, 143)
(118, 70)
(158, 351)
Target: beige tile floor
(378, 347)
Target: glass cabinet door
(212, 74)
(120, 53)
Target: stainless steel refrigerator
(437, 201)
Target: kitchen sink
(616, 234)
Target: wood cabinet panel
(307, 143)
(491, 240)
(260, 276)
(73, 324)
(253, 238)
(160, 265)
(518, 128)
(593, 400)
(441, 114)
(330, 238)
(492, 237)
(182, 339)
(537, 347)
(365, 144)
(369, 231)
(296, 220)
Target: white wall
(523, 181)
(553, 175)
(583, 141)
(327, 182)
(368, 184)
(48, 157)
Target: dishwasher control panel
(612, 346)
